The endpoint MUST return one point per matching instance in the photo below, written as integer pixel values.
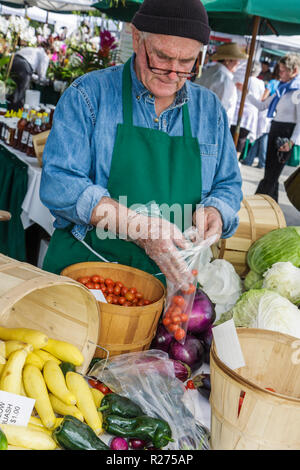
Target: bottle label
(6, 138)
(30, 143)
(25, 137)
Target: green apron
(147, 165)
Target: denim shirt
(78, 153)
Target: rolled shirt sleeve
(74, 195)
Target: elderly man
(138, 133)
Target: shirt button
(138, 97)
(150, 96)
(156, 120)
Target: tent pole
(256, 23)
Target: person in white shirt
(284, 110)
(248, 125)
(27, 61)
(219, 77)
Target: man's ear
(135, 38)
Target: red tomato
(139, 295)
(109, 282)
(176, 311)
(115, 299)
(167, 321)
(99, 386)
(178, 300)
(84, 279)
(103, 288)
(184, 317)
(190, 385)
(172, 328)
(129, 296)
(147, 302)
(110, 289)
(194, 272)
(176, 319)
(190, 290)
(122, 300)
(127, 304)
(133, 290)
(140, 303)
(179, 334)
(96, 278)
(117, 290)
(109, 299)
(96, 285)
(119, 284)
(124, 291)
(90, 285)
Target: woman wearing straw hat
(219, 78)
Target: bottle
(46, 120)
(12, 131)
(52, 109)
(26, 131)
(36, 129)
(21, 126)
(7, 130)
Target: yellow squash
(13, 345)
(45, 356)
(61, 408)
(34, 337)
(25, 436)
(85, 401)
(35, 387)
(56, 383)
(11, 376)
(65, 351)
(35, 360)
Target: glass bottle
(36, 129)
(46, 120)
(26, 131)
(21, 126)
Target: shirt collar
(140, 90)
(225, 70)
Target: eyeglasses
(159, 71)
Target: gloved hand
(162, 242)
(208, 222)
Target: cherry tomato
(90, 285)
(133, 290)
(194, 272)
(167, 321)
(190, 290)
(84, 279)
(173, 327)
(178, 300)
(140, 303)
(119, 284)
(176, 311)
(179, 334)
(96, 285)
(109, 282)
(129, 296)
(176, 319)
(122, 300)
(99, 386)
(95, 278)
(124, 291)
(103, 288)
(109, 299)
(117, 290)
(139, 295)
(184, 317)
(147, 302)
(190, 385)
(127, 304)
(115, 299)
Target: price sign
(15, 409)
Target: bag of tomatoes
(179, 302)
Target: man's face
(164, 52)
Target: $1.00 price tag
(15, 409)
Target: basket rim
(282, 337)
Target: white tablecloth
(33, 211)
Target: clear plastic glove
(208, 222)
(163, 242)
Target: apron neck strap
(127, 102)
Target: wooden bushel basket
(56, 305)
(259, 214)
(267, 420)
(124, 329)
(39, 142)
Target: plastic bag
(148, 378)
(179, 302)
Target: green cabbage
(253, 281)
(265, 309)
(284, 278)
(282, 244)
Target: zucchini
(73, 434)
(3, 441)
(67, 367)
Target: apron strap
(127, 103)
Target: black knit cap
(184, 18)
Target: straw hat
(229, 50)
